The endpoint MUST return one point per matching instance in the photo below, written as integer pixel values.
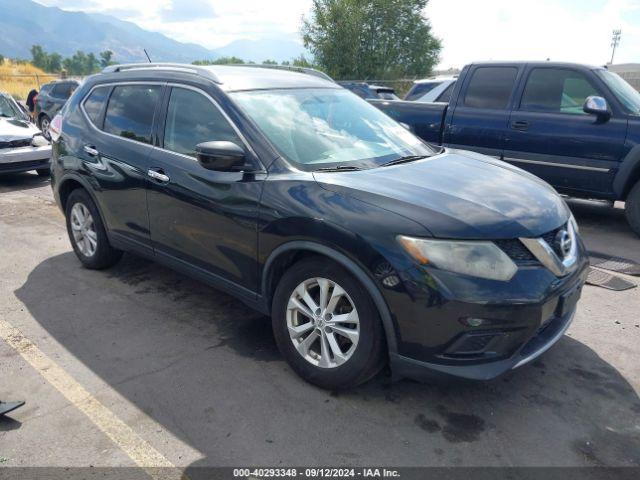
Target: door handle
(520, 125)
(158, 174)
(91, 150)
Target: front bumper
(522, 319)
(23, 159)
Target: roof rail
(291, 68)
(182, 67)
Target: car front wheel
(326, 325)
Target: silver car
(22, 145)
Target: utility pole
(615, 41)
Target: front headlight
(476, 258)
(39, 141)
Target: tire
(44, 172)
(361, 359)
(632, 208)
(44, 123)
(102, 254)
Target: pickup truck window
(490, 87)
(624, 92)
(446, 95)
(556, 90)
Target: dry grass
(18, 79)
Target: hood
(458, 194)
(13, 129)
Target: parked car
(575, 126)
(22, 146)
(360, 240)
(364, 90)
(50, 101)
(437, 89)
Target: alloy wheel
(44, 128)
(323, 322)
(84, 230)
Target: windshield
(7, 108)
(324, 127)
(624, 92)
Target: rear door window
(63, 90)
(490, 87)
(556, 90)
(130, 111)
(94, 103)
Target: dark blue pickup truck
(575, 126)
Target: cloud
(187, 11)
(562, 30)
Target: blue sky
(569, 30)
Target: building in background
(629, 71)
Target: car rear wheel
(45, 124)
(87, 233)
(326, 325)
(632, 208)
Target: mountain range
(24, 23)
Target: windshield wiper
(406, 159)
(339, 168)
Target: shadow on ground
(206, 368)
(10, 182)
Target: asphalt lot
(156, 358)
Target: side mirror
(220, 156)
(594, 105)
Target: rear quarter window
(490, 87)
(94, 103)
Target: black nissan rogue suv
(362, 242)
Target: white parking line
(141, 452)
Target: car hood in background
(13, 129)
(458, 194)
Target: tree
(54, 63)
(106, 58)
(92, 65)
(365, 39)
(220, 61)
(269, 62)
(1, 59)
(39, 57)
(302, 61)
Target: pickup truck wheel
(632, 208)
(326, 325)
(87, 234)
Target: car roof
(381, 88)
(439, 78)
(539, 63)
(235, 77)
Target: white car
(437, 89)
(22, 145)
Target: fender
(350, 266)
(67, 176)
(623, 181)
